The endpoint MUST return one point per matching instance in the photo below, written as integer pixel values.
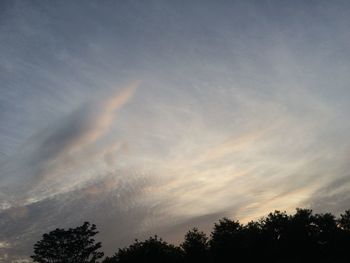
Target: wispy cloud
(57, 159)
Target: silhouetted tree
(303, 237)
(195, 246)
(275, 229)
(153, 250)
(326, 235)
(300, 235)
(75, 245)
(253, 242)
(226, 241)
(344, 221)
(344, 235)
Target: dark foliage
(195, 246)
(153, 249)
(278, 237)
(75, 245)
(225, 238)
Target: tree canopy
(153, 249)
(277, 237)
(75, 245)
(195, 246)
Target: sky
(152, 117)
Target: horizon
(153, 117)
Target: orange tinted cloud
(103, 121)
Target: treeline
(277, 237)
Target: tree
(253, 241)
(344, 236)
(75, 245)
(226, 241)
(153, 250)
(302, 237)
(195, 246)
(301, 234)
(326, 235)
(344, 221)
(274, 229)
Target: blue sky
(153, 117)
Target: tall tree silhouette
(326, 235)
(275, 229)
(75, 245)
(195, 246)
(226, 240)
(253, 242)
(300, 235)
(344, 235)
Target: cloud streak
(47, 164)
